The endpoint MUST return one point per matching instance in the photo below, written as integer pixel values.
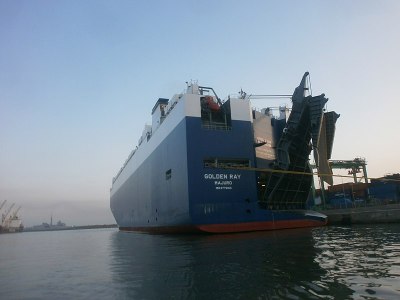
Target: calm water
(359, 262)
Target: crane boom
(4, 217)
(2, 204)
(15, 212)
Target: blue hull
(173, 191)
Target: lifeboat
(212, 105)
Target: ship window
(168, 174)
(214, 162)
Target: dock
(389, 213)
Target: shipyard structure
(10, 221)
(221, 166)
(362, 191)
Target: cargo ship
(207, 165)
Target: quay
(389, 213)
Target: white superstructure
(166, 115)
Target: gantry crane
(353, 166)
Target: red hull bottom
(230, 228)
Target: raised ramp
(288, 190)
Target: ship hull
(199, 168)
(195, 199)
(302, 222)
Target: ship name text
(222, 181)
(222, 176)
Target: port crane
(7, 222)
(15, 213)
(4, 216)
(2, 204)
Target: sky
(78, 80)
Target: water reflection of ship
(242, 266)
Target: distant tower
(51, 220)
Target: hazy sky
(78, 80)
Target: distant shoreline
(58, 228)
